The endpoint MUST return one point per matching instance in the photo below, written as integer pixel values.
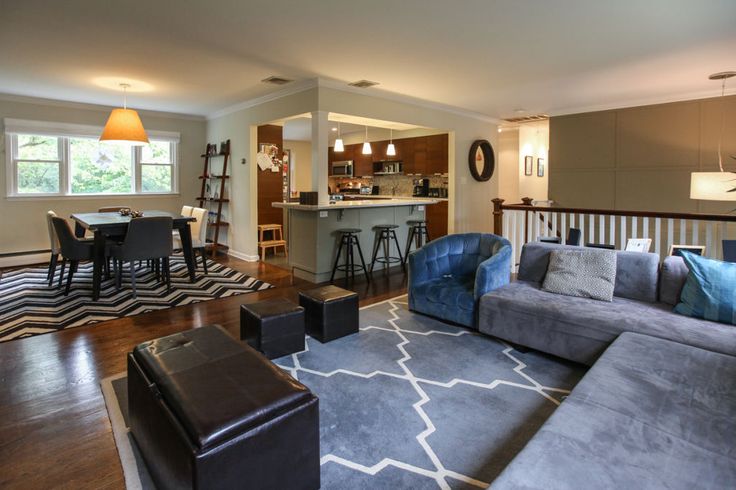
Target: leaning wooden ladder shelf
(206, 200)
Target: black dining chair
(72, 249)
(148, 238)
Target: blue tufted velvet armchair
(448, 276)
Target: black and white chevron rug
(28, 306)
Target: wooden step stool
(274, 243)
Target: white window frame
(64, 131)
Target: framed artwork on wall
(540, 167)
(528, 164)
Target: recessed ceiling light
(363, 84)
(277, 80)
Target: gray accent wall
(640, 158)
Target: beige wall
(533, 141)
(470, 203)
(23, 220)
(640, 158)
(507, 165)
(301, 154)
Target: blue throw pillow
(710, 289)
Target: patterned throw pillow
(587, 273)
(709, 291)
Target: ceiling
(300, 127)
(499, 58)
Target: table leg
(185, 233)
(98, 261)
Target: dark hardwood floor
(54, 428)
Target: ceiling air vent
(530, 118)
(277, 80)
(363, 84)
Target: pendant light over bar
(339, 146)
(366, 145)
(124, 125)
(391, 150)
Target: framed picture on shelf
(678, 249)
(540, 167)
(528, 164)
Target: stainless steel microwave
(342, 169)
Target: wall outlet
(420, 208)
(323, 214)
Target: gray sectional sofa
(657, 409)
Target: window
(69, 160)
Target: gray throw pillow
(587, 273)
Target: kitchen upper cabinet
(436, 151)
(405, 152)
(362, 164)
(420, 155)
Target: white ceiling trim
(295, 88)
(706, 94)
(344, 87)
(94, 107)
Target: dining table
(106, 225)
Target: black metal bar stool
(418, 233)
(386, 233)
(349, 239)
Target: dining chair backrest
(186, 210)
(148, 238)
(53, 239)
(112, 209)
(199, 227)
(71, 247)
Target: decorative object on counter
(481, 161)
(366, 145)
(528, 164)
(391, 148)
(339, 145)
(124, 211)
(540, 167)
(309, 198)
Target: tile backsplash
(390, 185)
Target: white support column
(320, 134)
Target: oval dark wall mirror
(481, 161)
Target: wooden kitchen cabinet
(436, 151)
(436, 215)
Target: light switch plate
(420, 208)
(323, 214)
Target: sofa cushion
(587, 273)
(710, 289)
(649, 414)
(580, 329)
(671, 279)
(636, 272)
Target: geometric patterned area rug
(28, 306)
(408, 402)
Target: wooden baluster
(696, 237)
(602, 229)
(513, 236)
(709, 240)
(658, 236)
(497, 214)
(670, 234)
(612, 230)
(555, 231)
(581, 221)
(563, 228)
(683, 229)
(723, 235)
(645, 227)
(634, 227)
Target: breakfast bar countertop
(361, 203)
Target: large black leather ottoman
(330, 312)
(209, 412)
(274, 327)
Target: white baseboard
(25, 259)
(243, 256)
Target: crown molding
(630, 104)
(406, 99)
(344, 87)
(26, 99)
(294, 88)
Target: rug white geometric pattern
(408, 402)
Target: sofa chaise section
(650, 414)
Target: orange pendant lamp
(124, 125)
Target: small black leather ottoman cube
(274, 327)
(209, 412)
(330, 312)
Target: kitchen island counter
(313, 234)
(367, 202)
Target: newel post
(497, 216)
(527, 201)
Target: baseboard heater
(15, 259)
